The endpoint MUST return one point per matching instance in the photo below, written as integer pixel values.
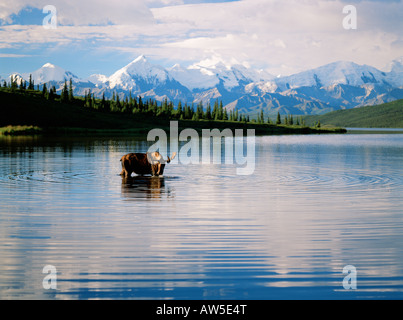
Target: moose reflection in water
(139, 187)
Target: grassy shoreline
(19, 130)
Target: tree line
(130, 104)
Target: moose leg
(126, 172)
(123, 172)
(159, 169)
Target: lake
(314, 205)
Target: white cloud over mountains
(283, 36)
(85, 12)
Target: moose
(144, 163)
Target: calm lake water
(315, 204)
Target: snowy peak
(141, 67)
(141, 58)
(97, 79)
(49, 65)
(138, 69)
(215, 62)
(209, 73)
(249, 74)
(341, 72)
(193, 78)
(15, 77)
(49, 72)
(137, 64)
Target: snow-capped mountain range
(334, 86)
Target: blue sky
(281, 36)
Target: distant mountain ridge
(338, 85)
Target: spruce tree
(65, 93)
(186, 112)
(221, 111)
(155, 108)
(52, 93)
(199, 111)
(179, 110)
(87, 95)
(45, 91)
(31, 83)
(169, 110)
(71, 96)
(21, 85)
(215, 112)
(208, 112)
(118, 105)
(164, 105)
(278, 118)
(126, 105)
(85, 99)
(225, 115)
(103, 102)
(13, 83)
(93, 102)
(140, 104)
(192, 110)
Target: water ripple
(50, 177)
(342, 180)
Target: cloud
(88, 12)
(398, 44)
(293, 34)
(279, 43)
(283, 35)
(14, 55)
